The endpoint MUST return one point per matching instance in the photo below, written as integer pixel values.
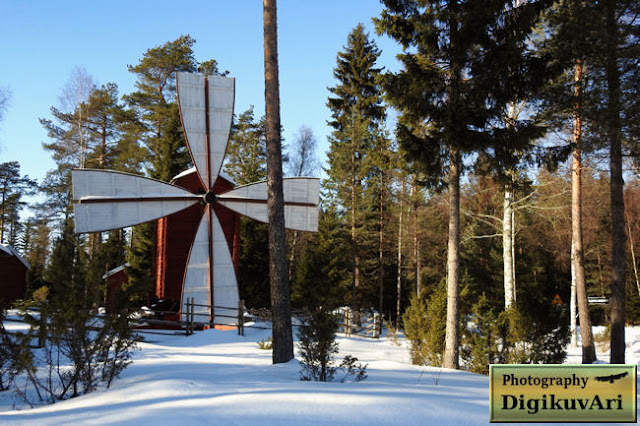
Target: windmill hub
(209, 197)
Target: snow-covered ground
(217, 377)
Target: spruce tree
(509, 73)
(357, 114)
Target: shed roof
(9, 250)
(115, 271)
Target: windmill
(107, 199)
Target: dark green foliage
(140, 264)
(246, 159)
(352, 368)
(154, 106)
(532, 332)
(632, 299)
(357, 114)
(116, 345)
(425, 328)
(320, 285)
(81, 351)
(253, 269)
(440, 109)
(322, 273)
(483, 338)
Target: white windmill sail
(204, 116)
(106, 199)
(300, 198)
(200, 274)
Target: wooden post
(186, 318)
(193, 313)
(347, 322)
(42, 329)
(241, 317)
(189, 316)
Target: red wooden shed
(13, 275)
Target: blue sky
(41, 42)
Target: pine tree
(12, 187)
(570, 43)
(154, 119)
(246, 159)
(620, 29)
(154, 103)
(104, 116)
(280, 296)
(609, 50)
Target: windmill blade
(301, 196)
(198, 275)
(106, 199)
(206, 108)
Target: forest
(490, 182)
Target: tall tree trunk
(399, 277)
(354, 241)
(2, 213)
(573, 328)
(381, 245)
(453, 264)
(280, 298)
(588, 348)
(507, 247)
(618, 237)
(416, 242)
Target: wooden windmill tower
(107, 199)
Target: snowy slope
(217, 377)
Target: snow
(218, 377)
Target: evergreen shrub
(532, 332)
(318, 347)
(425, 327)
